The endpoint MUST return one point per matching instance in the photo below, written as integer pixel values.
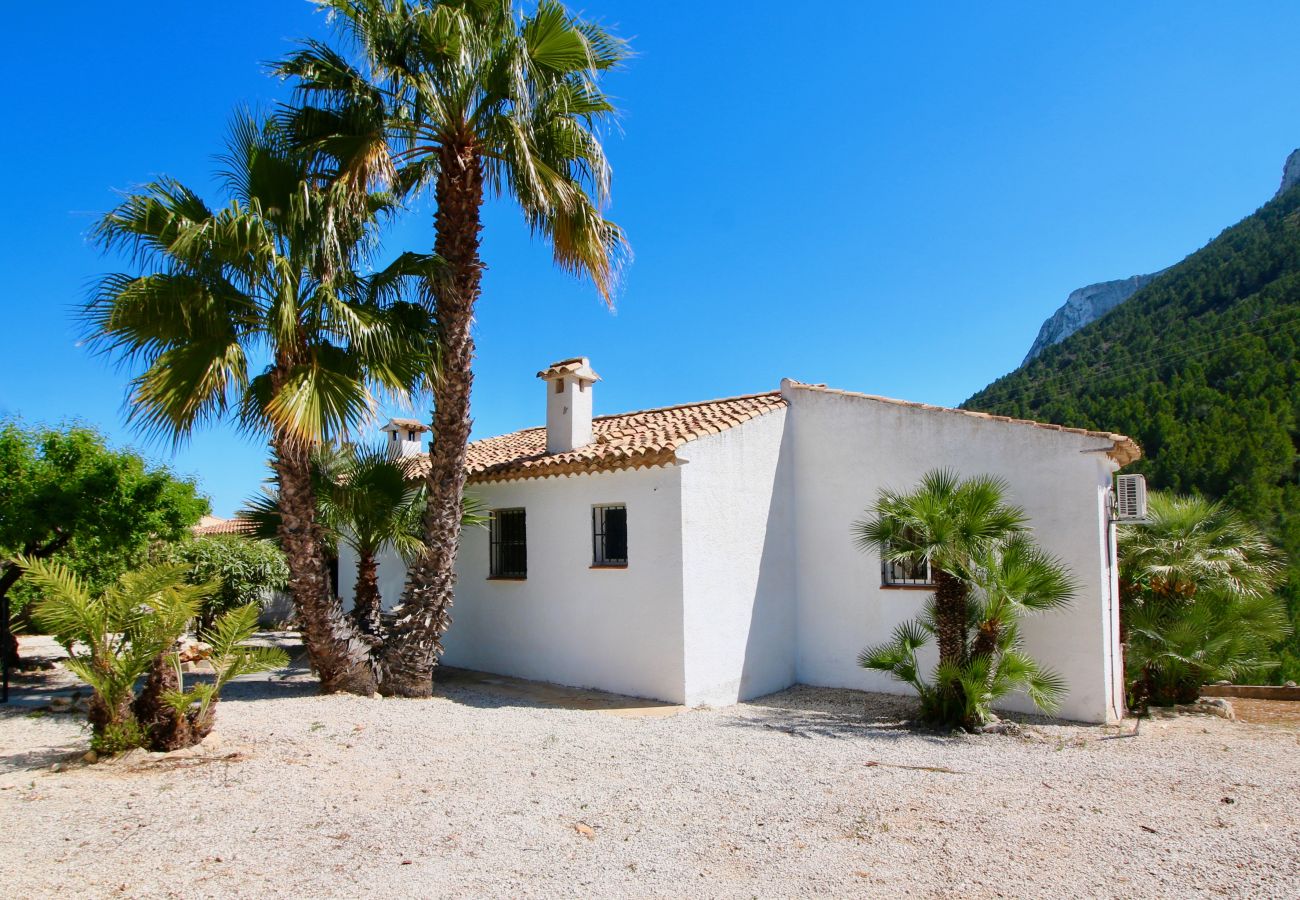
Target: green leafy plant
(130, 630)
(244, 569)
(1197, 598)
(66, 495)
(988, 574)
(193, 708)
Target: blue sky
(884, 197)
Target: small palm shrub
(987, 573)
(1197, 599)
(129, 632)
(1005, 584)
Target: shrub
(131, 630)
(244, 570)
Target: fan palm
(1190, 544)
(270, 276)
(1005, 581)
(1197, 587)
(948, 523)
(472, 97)
(372, 503)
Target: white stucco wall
(743, 577)
(616, 629)
(849, 447)
(737, 563)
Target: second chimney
(568, 404)
(405, 437)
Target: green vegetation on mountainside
(1202, 368)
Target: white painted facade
(742, 574)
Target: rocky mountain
(1202, 368)
(1088, 304)
(1290, 174)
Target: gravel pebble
(809, 791)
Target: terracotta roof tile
(210, 525)
(651, 437)
(632, 440)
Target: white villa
(703, 554)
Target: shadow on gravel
(487, 691)
(807, 712)
(296, 680)
(40, 758)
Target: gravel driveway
(810, 791)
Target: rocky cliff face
(1090, 303)
(1085, 305)
(1290, 174)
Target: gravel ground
(810, 791)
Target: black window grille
(509, 543)
(905, 572)
(609, 535)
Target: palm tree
(1197, 587)
(372, 504)
(472, 97)
(947, 523)
(130, 630)
(988, 574)
(268, 276)
(1190, 544)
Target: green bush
(244, 570)
(131, 630)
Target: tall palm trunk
(950, 616)
(367, 603)
(338, 652)
(415, 642)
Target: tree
(65, 495)
(988, 574)
(947, 523)
(472, 97)
(1198, 602)
(244, 569)
(130, 629)
(373, 504)
(270, 274)
(370, 502)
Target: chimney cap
(406, 425)
(578, 366)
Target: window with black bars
(609, 535)
(509, 542)
(907, 572)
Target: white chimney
(568, 404)
(405, 437)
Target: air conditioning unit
(1130, 498)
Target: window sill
(507, 578)
(907, 587)
(610, 566)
